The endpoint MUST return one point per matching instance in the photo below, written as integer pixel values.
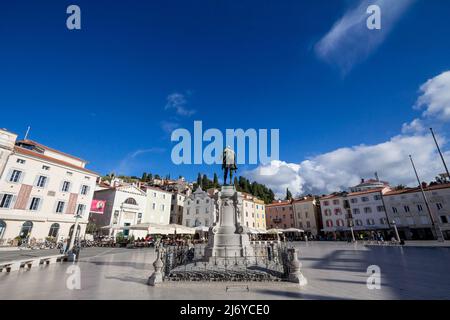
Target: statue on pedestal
(228, 164)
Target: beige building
(307, 215)
(41, 190)
(158, 206)
(260, 214)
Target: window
(2, 228)
(380, 208)
(326, 203)
(46, 168)
(188, 223)
(139, 218)
(206, 222)
(301, 224)
(367, 210)
(41, 182)
(383, 221)
(370, 222)
(130, 201)
(6, 201)
(439, 206)
(356, 211)
(154, 194)
(354, 200)
(406, 208)
(358, 222)
(69, 173)
(327, 212)
(377, 197)
(53, 232)
(308, 224)
(187, 211)
(365, 199)
(153, 206)
(26, 229)
(163, 207)
(197, 210)
(306, 215)
(394, 210)
(21, 161)
(84, 190)
(335, 202)
(444, 219)
(15, 176)
(80, 210)
(340, 223)
(337, 211)
(419, 207)
(34, 205)
(60, 207)
(65, 186)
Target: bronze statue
(228, 164)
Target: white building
(364, 211)
(199, 209)
(125, 206)
(369, 184)
(408, 210)
(158, 206)
(41, 190)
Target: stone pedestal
(157, 276)
(228, 240)
(295, 274)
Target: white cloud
(350, 41)
(414, 127)
(339, 169)
(435, 98)
(178, 102)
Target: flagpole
(436, 226)
(440, 153)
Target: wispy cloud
(169, 126)
(435, 98)
(131, 161)
(179, 103)
(350, 41)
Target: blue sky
(102, 92)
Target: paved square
(333, 270)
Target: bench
(29, 263)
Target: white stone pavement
(333, 270)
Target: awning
(154, 228)
(275, 231)
(293, 230)
(202, 228)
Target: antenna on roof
(376, 176)
(26, 134)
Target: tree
(199, 179)
(215, 180)
(144, 177)
(288, 194)
(149, 177)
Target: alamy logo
(257, 146)
(73, 281)
(374, 279)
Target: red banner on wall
(98, 206)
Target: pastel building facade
(176, 208)
(307, 215)
(158, 206)
(280, 215)
(41, 191)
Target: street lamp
(396, 230)
(75, 229)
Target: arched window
(329, 223)
(54, 229)
(2, 228)
(71, 231)
(26, 229)
(131, 201)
